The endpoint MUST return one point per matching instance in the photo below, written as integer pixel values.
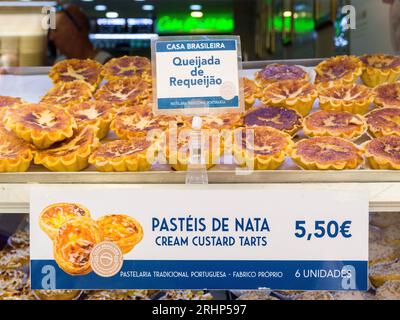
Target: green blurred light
(184, 23)
(301, 24)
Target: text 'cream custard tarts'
(131, 123)
(280, 72)
(93, 113)
(65, 94)
(53, 216)
(40, 124)
(298, 95)
(283, 119)
(74, 243)
(136, 154)
(124, 92)
(340, 70)
(123, 230)
(261, 148)
(352, 98)
(340, 124)
(77, 69)
(15, 154)
(379, 69)
(388, 95)
(71, 155)
(251, 92)
(6, 101)
(326, 153)
(127, 66)
(384, 122)
(383, 153)
(175, 147)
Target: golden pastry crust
(136, 154)
(298, 95)
(40, 124)
(130, 123)
(352, 98)
(73, 244)
(123, 230)
(124, 92)
(383, 153)
(65, 94)
(94, 113)
(174, 145)
(14, 258)
(380, 68)
(6, 101)
(127, 66)
(107, 295)
(383, 272)
(57, 294)
(251, 92)
(314, 295)
(72, 154)
(52, 217)
(326, 153)
(16, 154)
(335, 124)
(380, 252)
(12, 280)
(225, 121)
(384, 122)
(339, 70)
(261, 148)
(77, 69)
(280, 72)
(283, 119)
(390, 290)
(388, 95)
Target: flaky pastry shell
(379, 69)
(127, 66)
(383, 153)
(383, 122)
(65, 94)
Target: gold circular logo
(106, 259)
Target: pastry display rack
(383, 186)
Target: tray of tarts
(337, 118)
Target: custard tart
(388, 95)
(261, 148)
(16, 154)
(126, 67)
(136, 154)
(383, 272)
(379, 69)
(175, 146)
(14, 258)
(384, 122)
(390, 290)
(6, 101)
(65, 94)
(74, 243)
(48, 295)
(381, 252)
(123, 230)
(326, 153)
(298, 95)
(340, 70)
(12, 280)
(352, 98)
(124, 92)
(283, 119)
(224, 121)
(94, 113)
(383, 153)
(40, 124)
(130, 123)
(251, 92)
(279, 72)
(71, 155)
(52, 217)
(340, 124)
(77, 69)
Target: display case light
(148, 7)
(196, 7)
(100, 7)
(196, 14)
(112, 14)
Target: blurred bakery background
(269, 29)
